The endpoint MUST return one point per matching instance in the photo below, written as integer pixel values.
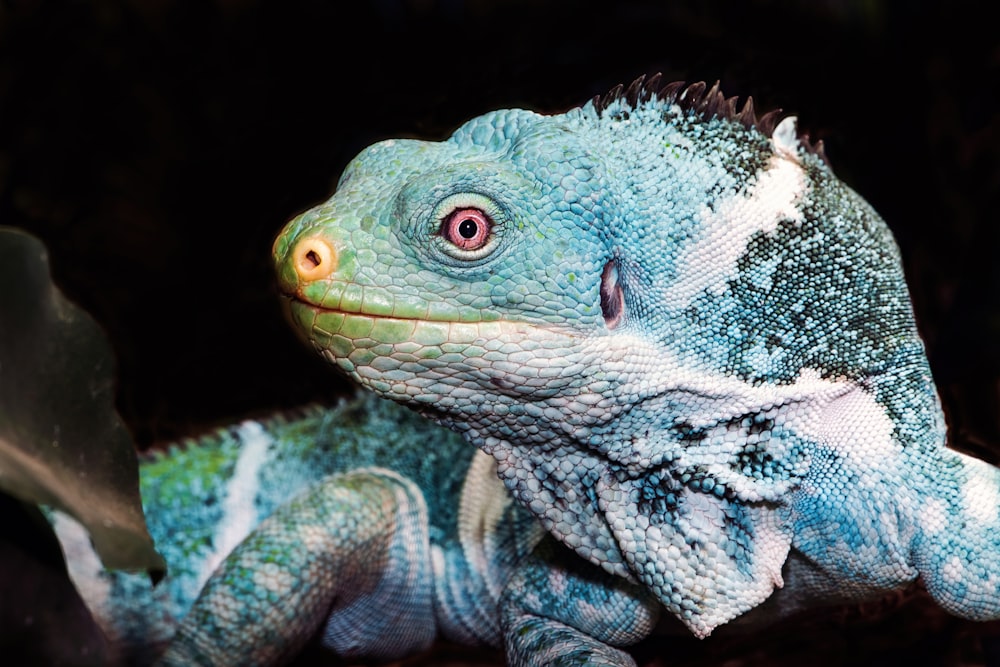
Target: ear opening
(612, 296)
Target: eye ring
(468, 229)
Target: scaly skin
(688, 346)
(364, 527)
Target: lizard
(688, 347)
(430, 541)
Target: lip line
(320, 309)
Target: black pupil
(468, 228)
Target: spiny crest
(216, 436)
(699, 99)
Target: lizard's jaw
(439, 363)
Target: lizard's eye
(467, 229)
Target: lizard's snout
(313, 258)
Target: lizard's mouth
(342, 329)
(350, 298)
(296, 302)
(350, 330)
(307, 313)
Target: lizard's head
(462, 276)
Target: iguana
(687, 345)
(684, 347)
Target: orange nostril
(314, 258)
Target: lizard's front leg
(957, 543)
(350, 559)
(558, 609)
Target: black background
(157, 147)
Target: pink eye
(467, 228)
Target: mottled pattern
(688, 346)
(362, 527)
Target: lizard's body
(203, 497)
(689, 350)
